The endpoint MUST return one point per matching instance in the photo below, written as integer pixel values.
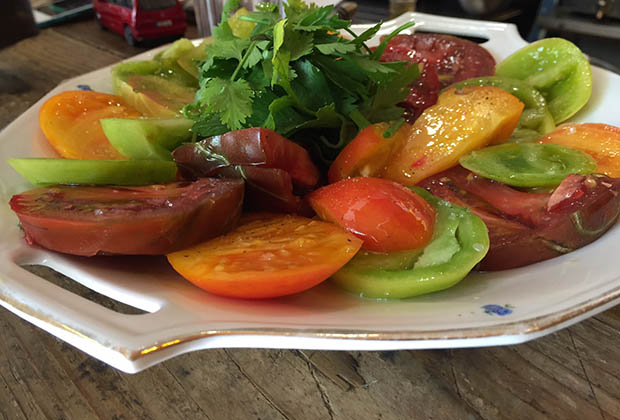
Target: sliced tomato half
(267, 256)
(148, 220)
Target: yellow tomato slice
(70, 121)
(267, 257)
(462, 120)
(601, 141)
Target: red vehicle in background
(138, 20)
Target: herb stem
(244, 59)
(366, 47)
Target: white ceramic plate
(485, 309)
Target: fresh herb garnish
(296, 74)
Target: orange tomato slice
(601, 141)
(70, 121)
(267, 257)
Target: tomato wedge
(70, 121)
(150, 220)
(385, 215)
(267, 257)
(367, 154)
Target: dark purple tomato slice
(276, 169)
(253, 147)
(525, 228)
(146, 220)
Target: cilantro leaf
(232, 99)
(233, 48)
(336, 48)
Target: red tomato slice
(70, 121)
(267, 257)
(386, 215)
(150, 220)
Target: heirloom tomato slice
(148, 220)
(385, 215)
(267, 256)
(463, 120)
(70, 121)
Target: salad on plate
(284, 152)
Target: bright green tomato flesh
(50, 171)
(147, 139)
(459, 242)
(558, 69)
(528, 164)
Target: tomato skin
(150, 220)
(461, 121)
(267, 256)
(387, 216)
(525, 228)
(601, 141)
(70, 121)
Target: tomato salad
(283, 152)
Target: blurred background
(594, 25)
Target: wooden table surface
(572, 374)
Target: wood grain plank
(507, 380)
(215, 383)
(34, 66)
(393, 385)
(41, 386)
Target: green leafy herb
(299, 77)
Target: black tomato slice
(146, 220)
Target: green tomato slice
(50, 171)
(147, 139)
(558, 69)
(459, 242)
(536, 120)
(528, 164)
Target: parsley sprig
(299, 77)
